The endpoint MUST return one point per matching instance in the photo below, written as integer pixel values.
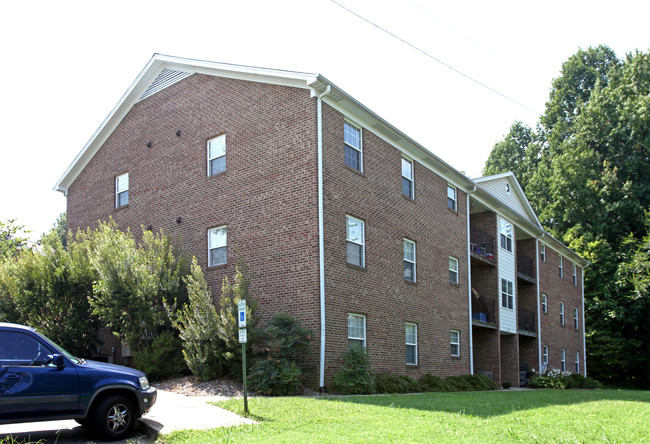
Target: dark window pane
(355, 254)
(217, 165)
(352, 158)
(407, 190)
(410, 354)
(409, 274)
(355, 344)
(218, 256)
(451, 204)
(122, 199)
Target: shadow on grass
(493, 403)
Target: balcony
(482, 246)
(484, 310)
(525, 268)
(527, 321)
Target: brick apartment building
(351, 226)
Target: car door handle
(8, 377)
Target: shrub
(163, 358)
(390, 383)
(355, 377)
(506, 384)
(577, 381)
(480, 382)
(275, 377)
(460, 384)
(430, 383)
(547, 382)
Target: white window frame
(561, 267)
(577, 362)
(223, 244)
(562, 313)
(121, 189)
(349, 142)
(408, 178)
(455, 343)
(576, 325)
(505, 235)
(507, 292)
(454, 275)
(542, 252)
(544, 303)
(413, 343)
(575, 275)
(350, 240)
(357, 338)
(222, 140)
(408, 242)
(452, 201)
(545, 356)
(563, 359)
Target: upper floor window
(217, 246)
(356, 331)
(575, 318)
(122, 190)
(542, 253)
(355, 241)
(563, 359)
(453, 270)
(409, 260)
(353, 150)
(575, 275)
(507, 294)
(561, 313)
(505, 234)
(452, 202)
(455, 342)
(544, 303)
(217, 155)
(407, 178)
(560, 267)
(411, 344)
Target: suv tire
(114, 418)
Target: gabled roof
(506, 187)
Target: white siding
(507, 317)
(497, 187)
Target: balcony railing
(484, 309)
(481, 243)
(526, 265)
(527, 320)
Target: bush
(506, 384)
(389, 383)
(279, 377)
(460, 383)
(547, 382)
(577, 381)
(355, 377)
(430, 383)
(163, 358)
(480, 382)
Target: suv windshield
(61, 350)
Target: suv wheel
(114, 417)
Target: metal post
(243, 354)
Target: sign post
(243, 338)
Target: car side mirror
(58, 361)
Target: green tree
(10, 240)
(516, 153)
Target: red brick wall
(553, 334)
(379, 290)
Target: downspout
(539, 315)
(469, 289)
(584, 329)
(321, 242)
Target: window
(575, 318)
(122, 190)
(409, 260)
(561, 267)
(563, 357)
(453, 270)
(575, 275)
(507, 294)
(20, 350)
(542, 253)
(505, 234)
(577, 362)
(356, 332)
(561, 313)
(355, 244)
(451, 198)
(217, 246)
(544, 304)
(455, 342)
(545, 356)
(407, 178)
(217, 155)
(352, 136)
(411, 344)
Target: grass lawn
(535, 416)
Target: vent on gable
(167, 77)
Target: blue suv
(40, 381)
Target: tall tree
(516, 153)
(10, 240)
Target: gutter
(321, 242)
(539, 314)
(584, 329)
(469, 289)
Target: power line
(446, 65)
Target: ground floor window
(411, 344)
(356, 331)
(455, 342)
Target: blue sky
(66, 64)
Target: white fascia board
(490, 201)
(512, 179)
(350, 107)
(565, 251)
